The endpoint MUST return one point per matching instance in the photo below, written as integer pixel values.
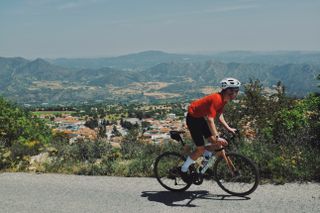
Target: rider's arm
(224, 123)
(215, 136)
(212, 127)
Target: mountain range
(147, 59)
(151, 75)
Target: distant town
(114, 122)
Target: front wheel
(166, 169)
(239, 176)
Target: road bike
(234, 173)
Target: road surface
(45, 193)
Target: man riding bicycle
(200, 122)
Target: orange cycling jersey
(207, 106)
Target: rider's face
(232, 93)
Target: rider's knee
(200, 149)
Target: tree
(139, 115)
(92, 123)
(102, 113)
(102, 131)
(279, 100)
(131, 146)
(145, 125)
(254, 99)
(115, 131)
(20, 133)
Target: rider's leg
(196, 127)
(198, 152)
(192, 158)
(214, 146)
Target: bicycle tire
(244, 183)
(166, 170)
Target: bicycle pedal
(185, 176)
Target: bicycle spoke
(243, 180)
(167, 167)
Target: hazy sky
(91, 28)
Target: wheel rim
(243, 181)
(167, 168)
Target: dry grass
(161, 95)
(57, 85)
(146, 88)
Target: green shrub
(21, 135)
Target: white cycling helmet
(229, 83)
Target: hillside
(39, 81)
(299, 79)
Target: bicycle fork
(231, 166)
(210, 162)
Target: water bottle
(206, 163)
(206, 156)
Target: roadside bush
(21, 135)
(281, 163)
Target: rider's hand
(232, 130)
(222, 141)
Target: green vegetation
(21, 135)
(284, 133)
(38, 113)
(279, 133)
(100, 158)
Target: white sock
(207, 154)
(186, 164)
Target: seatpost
(182, 142)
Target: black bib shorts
(199, 129)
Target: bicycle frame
(210, 162)
(234, 173)
(220, 152)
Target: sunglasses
(234, 89)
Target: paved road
(21, 192)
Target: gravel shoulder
(25, 192)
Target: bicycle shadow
(169, 198)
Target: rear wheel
(167, 171)
(241, 180)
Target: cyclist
(200, 122)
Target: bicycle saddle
(175, 135)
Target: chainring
(197, 178)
